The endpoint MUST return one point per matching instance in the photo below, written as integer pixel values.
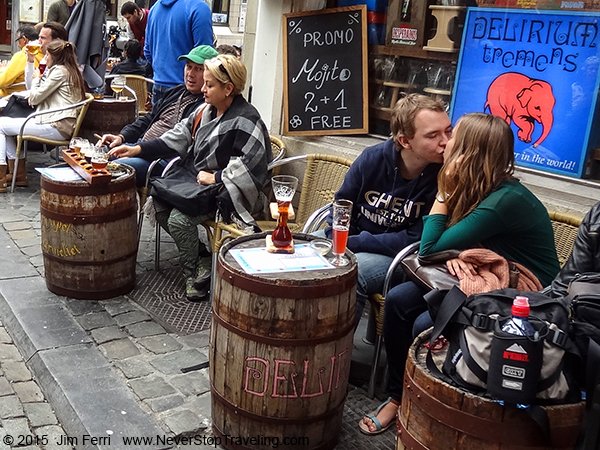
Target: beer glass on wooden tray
(76, 144)
(100, 157)
(284, 188)
(342, 211)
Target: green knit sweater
(511, 221)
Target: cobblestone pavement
(133, 349)
(27, 420)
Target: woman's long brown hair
(63, 53)
(482, 158)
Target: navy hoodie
(388, 210)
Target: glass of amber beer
(33, 47)
(284, 188)
(100, 158)
(342, 211)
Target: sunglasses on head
(224, 70)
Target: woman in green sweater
(479, 204)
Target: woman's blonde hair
(228, 69)
(482, 158)
(63, 54)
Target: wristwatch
(441, 198)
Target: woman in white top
(60, 85)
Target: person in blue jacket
(174, 28)
(392, 186)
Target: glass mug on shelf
(342, 212)
(284, 188)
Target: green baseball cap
(199, 54)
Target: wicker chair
(323, 177)
(22, 139)
(139, 85)
(565, 228)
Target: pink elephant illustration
(514, 96)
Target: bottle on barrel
(516, 357)
(284, 187)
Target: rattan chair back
(565, 231)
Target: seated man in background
(14, 71)
(132, 64)
(392, 186)
(177, 104)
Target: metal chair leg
(14, 176)
(157, 249)
(374, 366)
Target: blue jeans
(422, 323)
(372, 268)
(158, 92)
(141, 167)
(403, 304)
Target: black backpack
(471, 326)
(584, 299)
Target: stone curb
(89, 398)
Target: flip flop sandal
(373, 417)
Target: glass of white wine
(117, 85)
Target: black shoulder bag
(17, 106)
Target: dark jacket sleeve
(156, 149)
(585, 256)
(349, 190)
(389, 243)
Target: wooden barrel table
(437, 416)
(89, 236)
(107, 115)
(280, 351)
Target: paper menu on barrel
(59, 173)
(325, 87)
(258, 260)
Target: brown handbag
(430, 272)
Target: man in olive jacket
(60, 11)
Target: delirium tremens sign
(539, 72)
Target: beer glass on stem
(284, 188)
(342, 211)
(117, 85)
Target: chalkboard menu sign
(325, 72)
